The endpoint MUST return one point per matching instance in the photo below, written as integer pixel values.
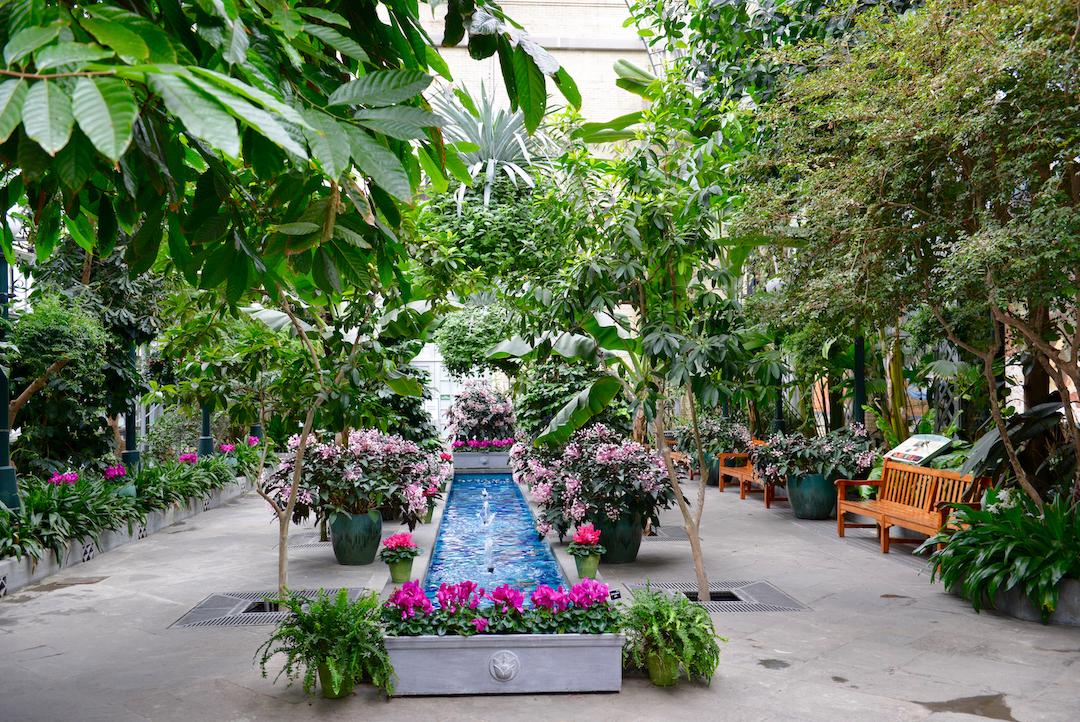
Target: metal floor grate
(751, 596)
(226, 609)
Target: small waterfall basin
(516, 555)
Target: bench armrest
(857, 482)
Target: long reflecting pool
(499, 548)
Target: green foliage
(345, 637)
(1009, 543)
(54, 514)
(127, 123)
(543, 388)
(64, 423)
(466, 335)
(670, 624)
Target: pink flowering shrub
(398, 548)
(482, 415)
(599, 475)
(227, 448)
(466, 609)
(253, 441)
(842, 454)
(372, 470)
(189, 458)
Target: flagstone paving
(877, 641)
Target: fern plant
(332, 638)
(670, 625)
(1009, 543)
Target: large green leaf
(328, 142)
(253, 94)
(127, 43)
(27, 41)
(68, 53)
(379, 164)
(381, 87)
(105, 111)
(12, 96)
(610, 333)
(202, 116)
(531, 89)
(586, 404)
(257, 118)
(400, 121)
(47, 115)
(345, 46)
(568, 87)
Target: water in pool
(500, 549)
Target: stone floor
(877, 641)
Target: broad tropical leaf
(105, 110)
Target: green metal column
(206, 441)
(9, 488)
(131, 419)
(860, 380)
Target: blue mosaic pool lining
(521, 559)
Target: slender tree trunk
(36, 385)
(703, 476)
(687, 514)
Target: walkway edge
(18, 573)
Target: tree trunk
(684, 508)
(36, 385)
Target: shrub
(1009, 543)
(480, 412)
(465, 337)
(546, 387)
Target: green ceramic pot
(327, 687)
(587, 566)
(356, 537)
(429, 514)
(714, 469)
(400, 572)
(663, 669)
(621, 538)
(811, 496)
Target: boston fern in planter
(666, 632)
(333, 639)
(1009, 543)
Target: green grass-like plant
(670, 624)
(330, 631)
(1009, 543)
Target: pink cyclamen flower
(507, 598)
(554, 600)
(188, 458)
(410, 599)
(480, 623)
(115, 472)
(69, 477)
(227, 448)
(587, 534)
(588, 593)
(402, 540)
(253, 441)
(447, 457)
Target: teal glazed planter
(621, 538)
(811, 496)
(713, 463)
(356, 537)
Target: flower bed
(491, 642)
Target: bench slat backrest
(922, 487)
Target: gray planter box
(506, 664)
(1016, 604)
(492, 462)
(18, 573)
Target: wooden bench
(917, 498)
(743, 474)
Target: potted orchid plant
(398, 552)
(586, 550)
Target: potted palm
(331, 643)
(586, 550)
(398, 551)
(666, 633)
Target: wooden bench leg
(839, 522)
(742, 488)
(883, 532)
